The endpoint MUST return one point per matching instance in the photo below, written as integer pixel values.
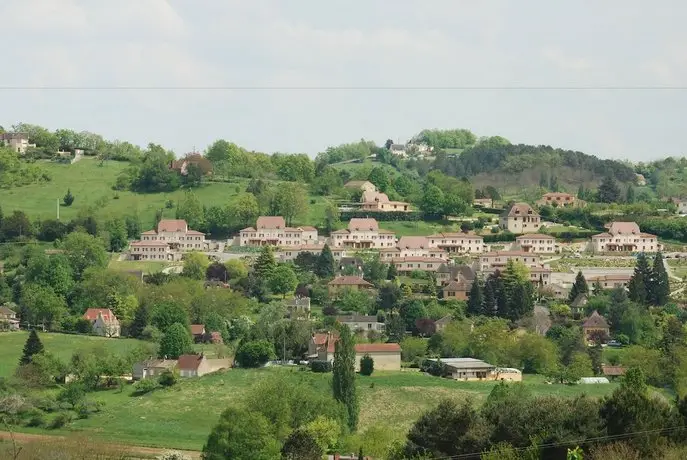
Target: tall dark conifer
(343, 378)
(33, 346)
(639, 284)
(659, 286)
(475, 305)
(579, 287)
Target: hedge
(499, 237)
(320, 366)
(391, 216)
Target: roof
(197, 329)
(557, 194)
(159, 363)
(356, 319)
(149, 243)
(363, 224)
(534, 236)
(247, 229)
(413, 242)
(613, 370)
(189, 362)
(377, 348)
(519, 209)
(8, 136)
(456, 235)
(357, 183)
(623, 228)
(149, 232)
(461, 285)
(580, 300)
(92, 314)
(308, 228)
(509, 254)
(349, 281)
(370, 196)
(397, 147)
(465, 363)
(400, 260)
(270, 222)
(445, 320)
(595, 321)
(194, 232)
(172, 225)
(4, 310)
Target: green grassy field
(62, 345)
(146, 266)
(91, 184)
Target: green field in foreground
(181, 417)
(91, 185)
(62, 345)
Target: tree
(191, 210)
(40, 304)
(324, 266)
(68, 198)
(411, 311)
(236, 269)
(255, 353)
(630, 194)
(241, 435)
(475, 305)
(265, 264)
(609, 192)
(659, 286)
(175, 342)
(379, 177)
(343, 380)
(216, 272)
(167, 313)
(243, 210)
(84, 251)
(133, 226)
(15, 226)
(194, 175)
(283, 280)
(579, 287)
(432, 202)
(392, 272)
(367, 365)
(195, 265)
(32, 346)
(290, 200)
(116, 228)
(395, 327)
(638, 287)
(301, 445)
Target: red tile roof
(366, 224)
(613, 370)
(534, 236)
(197, 329)
(92, 314)
(520, 209)
(349, 281)
(270, 222)
(157, 244)
(189, 362)
(172, 225)
(623, 228)
(595, 321)
(413, 242)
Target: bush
(145, 386)
(167, 378)
(367, 365)
(63, 419)
(169, 204)
(36, 421)
(255, 353)
(320, 366)
(392, 216)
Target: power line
(340, 88)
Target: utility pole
(58, 209)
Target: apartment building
(272, 230)
(624, 237)
(407, 265)
(499, 259)
(413, 246)
(457, 243)
(167, 241)
(363, 234)
(536, 243)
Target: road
(144, 452)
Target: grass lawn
(146, 266)
(62, 345)
(566, 263)
(181, 417)
(418, 228)
(91, 186)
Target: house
(520, 218)
(450, 272)
(193, 158)
(19, 142)
(298, 307)
(361, 185)
(341, 283)
(471, 369)
(537, 243)
(559, 290)
(457, 289)
(595, 324)
(8, 319)
(363, 233)
(103, 321)
(612, 371)
(578, 303)
(361, 323)
(355, 262)
(199, 365)
(457, 243)
(379, 202)
(609, 281)
(413, 246)
(317, 347)
(681, 205)
(398, 149)
(640, 180)
(440, 324)
(272, 231)
(198, 332)
(407, 265)
(286, 253)
(559, 199)
(152, 368)
(483, 202)
(624, 237)
(499, 259)
(386, 356)
(167, 241)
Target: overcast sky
(352, 43)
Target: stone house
(593, 325)
(103, 321)
(520, 218)
(361, 323)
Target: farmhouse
(537, 243)
(19, 142)
(681, 205)
(595, 324)
(103, 321)
(272, 230)
(341, 283)
(386, 356)
(199, 365)
(363, 234)
(152, 368)
(451, 272)
(298, 307)
(457, 289)
(624, 237)
(520, 218)
(194, 158)
(8, 319)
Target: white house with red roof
(167, 241)
(363, 233)
(624, 237)
(379, 202)
(272, 231)
(457, 243)
(103, 321)
(536, 242)
(386, 356)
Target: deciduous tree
(241, 435)
(175, 342)
(343, 380)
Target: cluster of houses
(373, 200)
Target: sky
(300, 75)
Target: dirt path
(146, 452)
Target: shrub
(145, 386)
(367, 365)
(68, 198)
(167, 378)
(63, 419)
(36, 421)
(169, 204)
(255, 353)
(320, 366)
